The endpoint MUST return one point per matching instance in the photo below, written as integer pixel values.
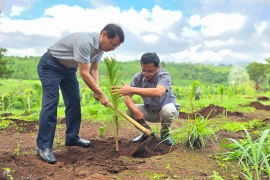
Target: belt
(48, 53)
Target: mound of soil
(259, 106)
(209, 112)
(267, 120)
(262, 98)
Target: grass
(250, 154)
(194, 132)
(238, 126)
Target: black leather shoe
(142, 137)
(81, 142)
(167, 140)
(46, 155)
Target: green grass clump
(194, 132)
(253, 155)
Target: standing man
(153, 84)
(57, 68)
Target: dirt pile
(210, 112)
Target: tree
(4, 71)
(237, 76)
(257, 70)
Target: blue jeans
(53, 75)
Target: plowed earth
(101, 161)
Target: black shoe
(142, 137)
(167, 140)
(81, 142)
(46, 155)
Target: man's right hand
(104, 100)
(139, 116)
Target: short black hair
(113, 30)
(148, 58)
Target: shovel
(143, 146)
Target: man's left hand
(122, 90)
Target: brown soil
(262, 98)
(101, 161)
(213, 111)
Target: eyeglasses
(113, 44)
(149, 72)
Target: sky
(182, 31)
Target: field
(18, 159)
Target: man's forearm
(130, 104)
(92, 84)
(94, 74)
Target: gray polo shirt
(162, 78)
(77, 47)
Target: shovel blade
(142, 149)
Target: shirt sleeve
(165, 80)
(97, 57)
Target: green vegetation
(194, 132)
(114, 80)
(250, 153)
(25, 68)
(5, 72)
(7, 172)
(20, 98)
(216, 176)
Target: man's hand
(122, 90)
(96, 97)
(102, 98)
(139, 116)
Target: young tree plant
(192, 94)
(221, 92)
(114, 80)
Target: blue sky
(204, 31)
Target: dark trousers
(53, 75)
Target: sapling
(114, 80)
(28, 93)
(221, 92)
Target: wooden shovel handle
(135, 123)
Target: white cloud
(260, 27)
(22, 52)
(194, 57)
(233, 55)
(171, 35)
(61, 18)
(10, 7)
(266, 55)
(16, 10)
(157, 21)
(266, 45)
(194, 49)
(218, 23)
(150, 38)
(122, 57)
(194, 20)
(188, 32)
(216, 43)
